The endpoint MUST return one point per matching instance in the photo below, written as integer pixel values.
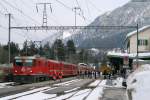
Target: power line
(64, 5)
(25, 34)
(25, 4)
(94, 6)
(82, 13)
(56, 20)
(78, 3)
(19, 11)
(88, 8)
(4, 7)
(69, 8)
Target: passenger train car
(29, 69)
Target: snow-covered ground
(73, 94)
(67, 83)
(32, 93)
(118, 82)
(139, 83)
(97, 93)
(6, 84)
(95, 83)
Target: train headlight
(31, 71)
(16, 71)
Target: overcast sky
(24, 13)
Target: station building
(120, 60)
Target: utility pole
(9, 35)
(137, 56)
(26, 49)
(75, 11)
(44, 12)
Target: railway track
(87, 92)
(17, 88)
(91, 91)
(30, 93)
(83, 91)
(36, 91)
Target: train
(31, 69)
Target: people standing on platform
(95, 74)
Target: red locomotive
(31, 69)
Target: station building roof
(135, 32)
(131, 55)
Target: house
(143, 41)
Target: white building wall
(133, 42)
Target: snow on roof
(140, 30)
(141, 55)
(131, 55)
(117, 54)
(25, 57)
(82, 64)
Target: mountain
(135, 11)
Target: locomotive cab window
(27, 62)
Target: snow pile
(138, 83)
(118, 82)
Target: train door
(50, 68)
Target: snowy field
(73, 94)
(139, 83)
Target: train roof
(82, 64)
(27, 57)
(55, 61)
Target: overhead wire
(82, 13)
(3, 7)
(25, 34)
(92, 4)
(56, 20)
(19, 10)
(69, 8)
(87, 6)
(27, 6)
